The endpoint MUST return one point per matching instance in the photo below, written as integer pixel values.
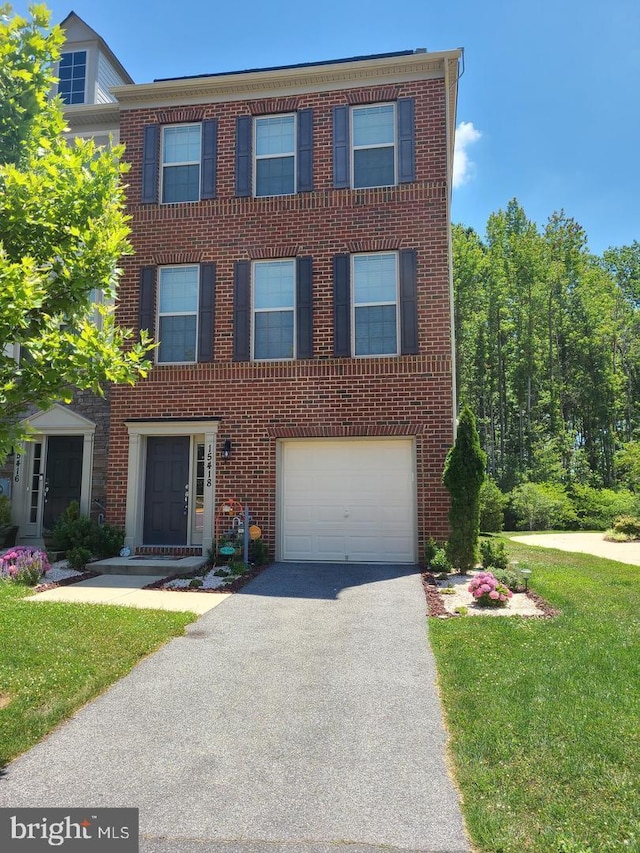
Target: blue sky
(548, 104)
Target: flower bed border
(437, 610)
(85, 576)
(236, 584)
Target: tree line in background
(548, 359)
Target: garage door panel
(348, 500)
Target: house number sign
(18, 468)
(209, 464)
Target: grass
(56, 657)
(544, 715)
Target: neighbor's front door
(166, 506)
(63, 475)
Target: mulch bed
(85, 576)
(236, 584)
(436, 608)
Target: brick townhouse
(292, 260)
(292, 256)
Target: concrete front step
(147, 565)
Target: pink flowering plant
(24, 565)
(489, 592)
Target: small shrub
(461, 610)
(194, 583)
(440, 563)
(492, 506)
(24, 565)
(489, 592)
(494, 553)
(258, 552)
(236, 567)
(430, 550)
(107, 540)
(78, 557)
(75, 532)
(627, 525)
(505, 576)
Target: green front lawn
(544, 715)
(55, 657)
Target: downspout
(450, 144)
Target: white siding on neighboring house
(107, 76)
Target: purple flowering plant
(24, 565)
(489, 592)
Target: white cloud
(466, 135)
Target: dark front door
(166, 490)
(63, 475)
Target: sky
(548, 105)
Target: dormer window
(72, 71)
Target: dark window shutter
(304, 308)
(341, 306)
(408, 303)
(150, 160)
(147, 304)
(242, 311)
(305, 151)
(340, 147)
(243, 155)
(209, 156)
(406, 143)
(206, 305)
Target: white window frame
(355, 147)
(355, 305)
(160, 314)
(255, 310)
(257, 156)
(164, 165)
(86, 76)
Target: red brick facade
(260, 402)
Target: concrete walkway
(301, 715)
(585, 543)
(127, 590)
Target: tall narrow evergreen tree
(464, 473)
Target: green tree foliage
(548, 344)
(542, 506)
(492, 506)
(464, 473)
(62, 232)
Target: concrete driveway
(585, 543)
(299, 715)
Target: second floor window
(374, 149)
(275, 147)
(181, 163)
(273, 309)
(375, 299)
(72, 71)
(178, 313)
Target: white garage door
(348, 500)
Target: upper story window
(179, 162)
(72, 71)
(375, 304)
(178, 313)
(181, 145)
(275, 155)
(273, 310)
(374, 146)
